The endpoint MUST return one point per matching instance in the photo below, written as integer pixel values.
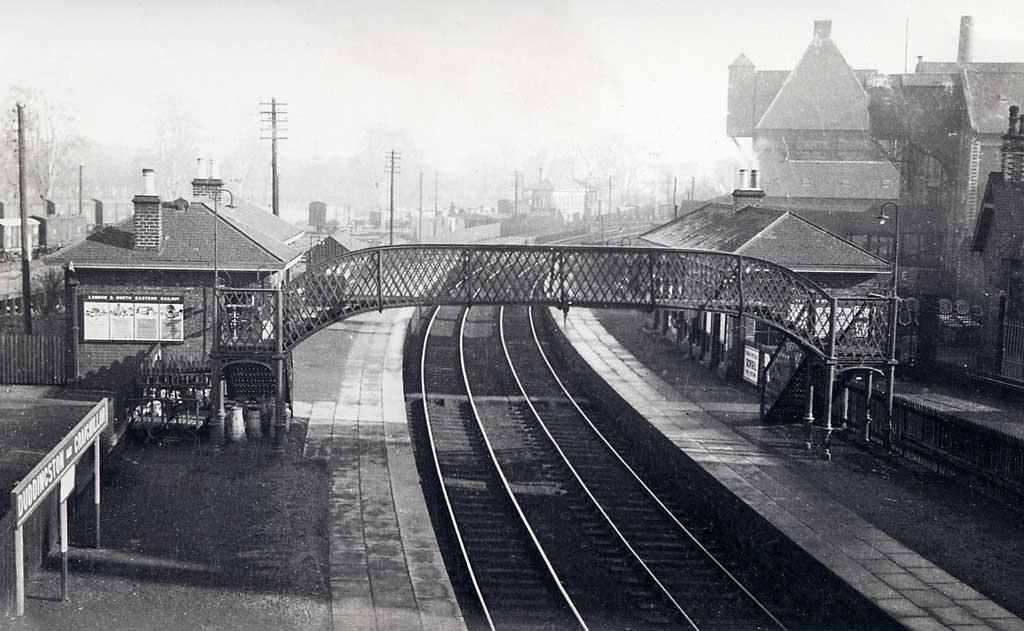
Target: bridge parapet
(846, 329)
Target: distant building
(811, 127)
(571, 199)
(832, 138)
(318, 215)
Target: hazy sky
(459, 78)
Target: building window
(844, 181)
(886, 183)
(805, 181)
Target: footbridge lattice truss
(845, 329)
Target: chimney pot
(200, 168)
(822, 29)
(742, 184)
(965, 49)
(214, 170)
(148, 182)
(755, 179)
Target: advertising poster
(96, 320)
(172, 322)
(147, 322)
(122, 321)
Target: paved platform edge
(386, 570)
(911, 589)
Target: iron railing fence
(946, 442)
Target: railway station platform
(386, 571)
(905, 584)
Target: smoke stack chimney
(964, 51)
(822, 30)
(147, 220)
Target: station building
(143, 288)
(747, 227)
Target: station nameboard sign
(133, 317)
(46, 475)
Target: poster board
(751, 364)
(133, 318)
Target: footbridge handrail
(829, 326)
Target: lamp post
(218, 391)
(891, 376)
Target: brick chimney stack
(1013, 148)
(822, 30)
(964, 51)
(147, 221)
(207, 182)
(749, 191)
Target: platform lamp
(890, 431)
(215, 194)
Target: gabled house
(811, 127)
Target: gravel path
(197, 540)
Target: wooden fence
(31, 359)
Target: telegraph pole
(435, 195)
(675, 208)
(276, 116)
(26, 251)
(392, 166)
(515, 209)
(79, 189)
(421, 208)
(693, 180)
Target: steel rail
(508, 485)
(643, 484)
(440, 477)
(579, 479)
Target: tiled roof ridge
(832, 234)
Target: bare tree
(50, 140)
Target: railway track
(554, 528)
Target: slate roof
(261, 219)
(989, 96)
(188, 244)
(771, 234)
(821, 93)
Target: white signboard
(128, 318)
(751, 364)
(51, 470)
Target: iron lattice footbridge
(838, 329)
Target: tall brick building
(146, 283)
(831, 138)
